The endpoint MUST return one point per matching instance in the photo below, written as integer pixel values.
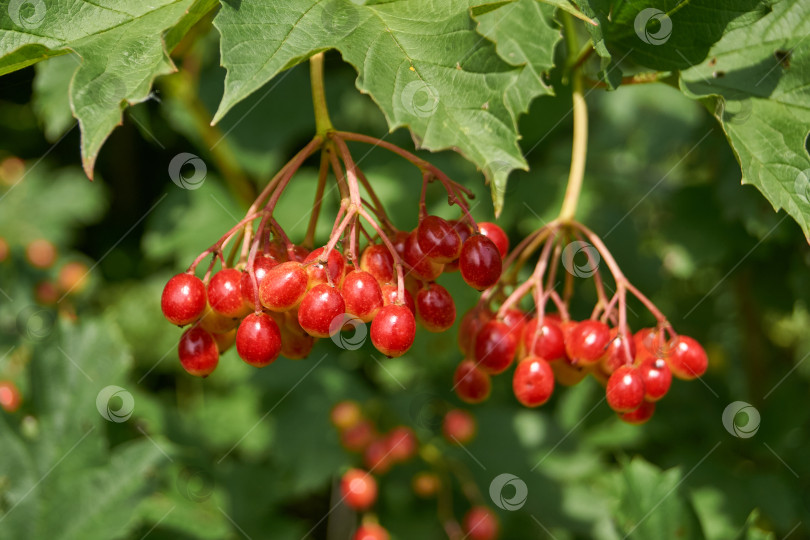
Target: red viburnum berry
(198, 352)
(183, 299)
(393, 330)
(258, 339)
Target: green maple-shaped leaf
(525, 35)
(755, 80)
(119, 49)
(422, 62)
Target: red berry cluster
(380, 451)
(280, 297)
(550, 347)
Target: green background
(251, 454)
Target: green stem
(579, 147)
(323, 124)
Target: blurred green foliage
(249, 453)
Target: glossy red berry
(643, 413)
(533, 381)
(464, 231)
(261, 266)
(284, 286)
(469, 327)
(10, 396)
(472, 385)
(495, 347)
(378, 261)
(438, 239)
(398, 241)
(458, 426)
(480, 262)
(183, 299)
(371, 531)
(587, 341)
(359, 489)
(435, 308)
(225, 293)
(656, 376)
(321, 272)
(616, 354)
(480, 523)
(362, 294)
(544, 340)
(389, 293)
(422, 266)
(647, 342)
(625, 389)
(686, 358)
(393, 330)
(198, 352)
(496, 234)
(258, 340)
(515, 319)
(321, 306)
